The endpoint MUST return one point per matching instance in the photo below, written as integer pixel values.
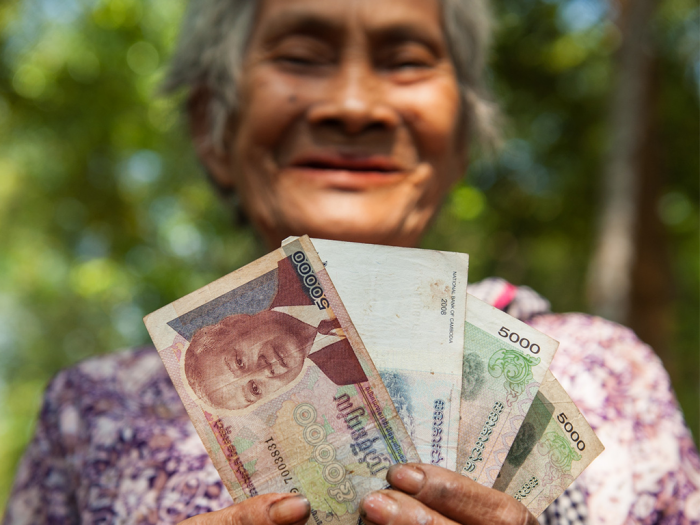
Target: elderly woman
(345, 119)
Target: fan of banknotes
(315, 368)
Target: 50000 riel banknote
(279, 385)
(554, 445)
(505, 361)
(409, 307)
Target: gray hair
(215, 33)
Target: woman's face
(349, 121)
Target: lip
(347, 162)
(351, 172)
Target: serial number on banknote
(279, 461)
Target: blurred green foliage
(106, 216)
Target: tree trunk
(610, 272)
(651, 291)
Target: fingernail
(290, 510)
(406, 478)
(378, 508)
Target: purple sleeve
(113, 444)
(44, 490)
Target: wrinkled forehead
(377, 19)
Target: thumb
(268, 509)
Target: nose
(353, 103)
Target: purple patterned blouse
(113, 443)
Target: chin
(390, 216)
(360, 225)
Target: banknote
(504, 362)
(409, 307)
(554, 445)
(279, 385)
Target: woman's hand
(268, 509)
(429, 496)
(436, 496)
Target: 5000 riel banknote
(279, 385)
(554, 445)
(505, 361)
(409, 307)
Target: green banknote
(554, 445)
(279, 385)
(504, 362)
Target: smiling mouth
(349, 172)
(360, 167)
(351, 163)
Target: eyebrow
(293, 21)
(399, 33)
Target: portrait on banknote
(242, 356)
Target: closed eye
(300, 51)
(292, 60)
(404, 64)
(404, 57)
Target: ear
(215, 157)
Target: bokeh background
(105, 214)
